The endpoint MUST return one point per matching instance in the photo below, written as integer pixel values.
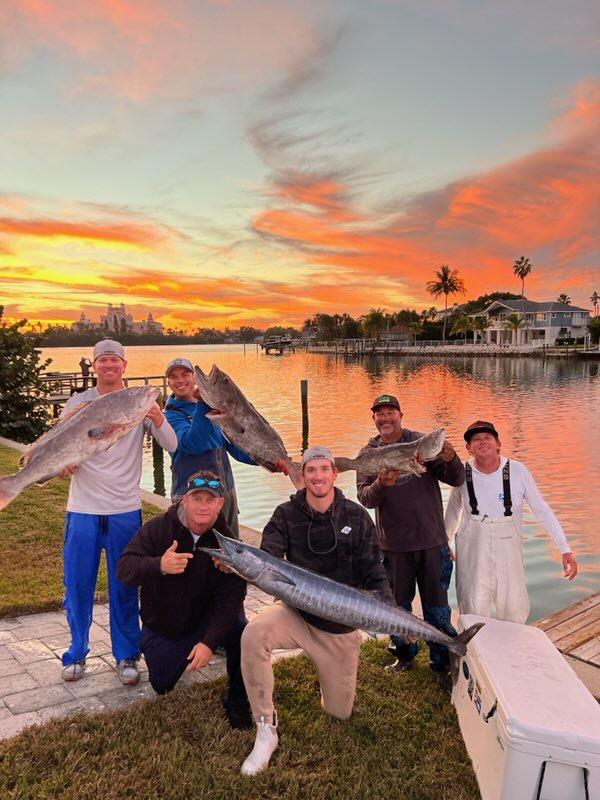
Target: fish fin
(45, 479)
(460, 642)
(275, 575)
(8, 490)
(105, 432)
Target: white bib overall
(490, 577)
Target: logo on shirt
(346, 529)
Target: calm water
(546, 412)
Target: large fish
(336, 602)
(78, 435)
(400, 456)
(242, 423)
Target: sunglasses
(201, 483)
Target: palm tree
(521, 268)
(480, 324)
(513, 323)
(415, 328)
(564, 298)
(375, 322)
(595, 298)
(462, 325)
(448, 282)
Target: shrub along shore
(403, 740)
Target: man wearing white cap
(104, 512)
(319, 529)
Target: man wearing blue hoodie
(201, 445)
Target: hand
(410, 639)
(451, 553)
(199, 656)
(387, 477)
(172, 563)
(197, 394)
(569, 566)
(221, 566)
(448, 451)
(69, 470)
(155, 415)
(282, 466)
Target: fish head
(131, 404)
(219, 392)
(241, 557)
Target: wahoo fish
(328, 599)
(242, 423)
(79, 434)
(400, 456)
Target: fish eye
(239, 549)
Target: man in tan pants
(321, 530)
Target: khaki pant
(335, 656)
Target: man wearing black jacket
(321, 530)
(188, 606)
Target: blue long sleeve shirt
(200, 444)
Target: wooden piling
(304, 400)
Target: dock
(61, 385)
(575, 632)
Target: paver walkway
(32, 690)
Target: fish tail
(343, 464)
(458, 648)
(10, 487)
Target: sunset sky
(250, 162)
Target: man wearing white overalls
(486, 513)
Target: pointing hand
(173, 563)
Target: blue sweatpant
(85, 536)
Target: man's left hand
(155, 415)
(200, 655)
(448, 451)
(569, 566)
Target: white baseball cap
(107, 347)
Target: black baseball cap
(385, 400)
(480, 426)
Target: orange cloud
(49, 228)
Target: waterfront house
(544, 322)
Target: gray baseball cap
(318, 451)
(179, 362)
(107, 347)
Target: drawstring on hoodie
(334, 545)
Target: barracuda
(337, 602)
(78, 435)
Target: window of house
(541, 317)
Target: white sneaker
(128, 671)
(72, 672)
(264, 746)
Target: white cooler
(531, 727)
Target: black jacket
(340, 543)
(173, 605)
(410, 514)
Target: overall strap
(506, 489)
(471, 489)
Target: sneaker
(264, 746)
(400, 666)
(128, 671)
(74, 671)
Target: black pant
(167, 658)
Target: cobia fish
(78, 435)
(242, 423)
(328, 599)
(400, 456)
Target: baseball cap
(205, 484)
(179, 362)
(107, 347)
(480, 426)
(385, 400)
(318, 451)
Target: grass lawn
(31, 533)
(402, 743)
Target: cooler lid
(538, 694)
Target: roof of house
(531, 306)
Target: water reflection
(546, 412)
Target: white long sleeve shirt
(490, 501)
(109, 482)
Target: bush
(23, 414)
